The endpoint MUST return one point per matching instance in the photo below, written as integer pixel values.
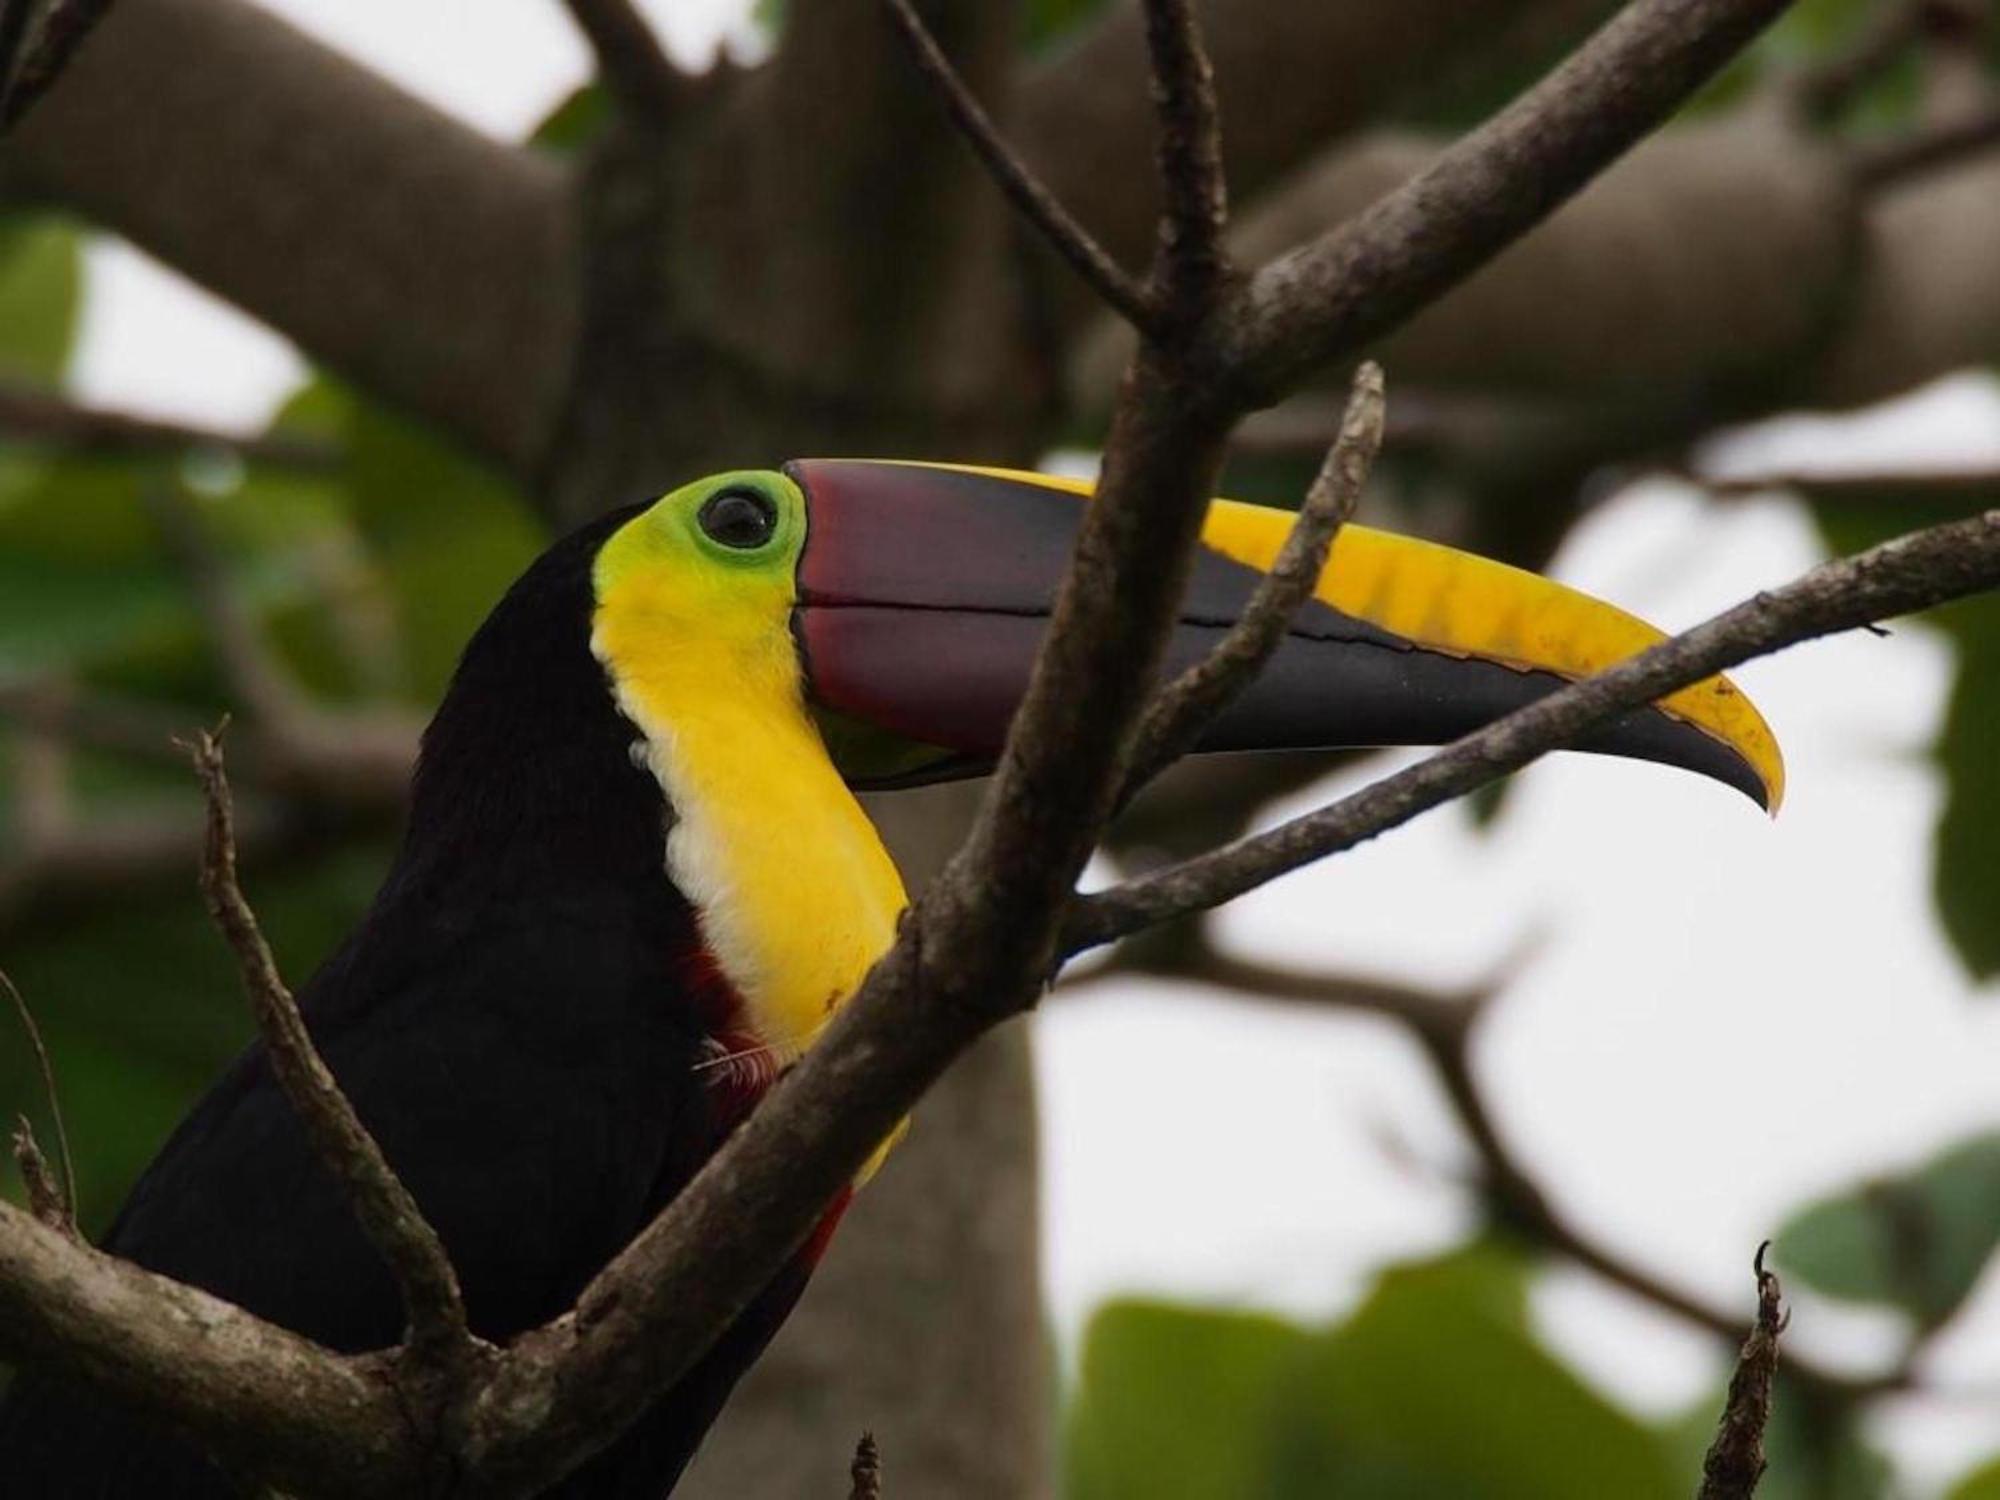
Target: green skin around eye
(669, 534)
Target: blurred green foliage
(365, 574)
(1917, 1243)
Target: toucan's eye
(739, 517)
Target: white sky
(1728, 1014)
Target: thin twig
(1830, 83)
(1735, 1460)
(632, 64)
(14, 17)
(66, 26)
(389, 1216)
(1192, 701)
(49, 1092)
(33, 416)
(1893, 162)
(1963, 490)
(1023, 189)
(45, 1195)
(1446, 1025)
(865, 1473)
(1196, 210)
(1912, 572)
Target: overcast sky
(1693, 948)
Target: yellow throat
(795, 894)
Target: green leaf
(1177, 1401)
(1435, 1390)
(1981, 1484)
(575, 124)
(1917, 1242)
(86, 581)
(41, 282)
(448, 533)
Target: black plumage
(519, 1019)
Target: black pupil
(739, 518)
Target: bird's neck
(795, 895)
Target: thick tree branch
(1190, 703)
(1034, 202)
(428, 263)
(260, 1398)
(389, 1215)
(1327, 298)
(807, 299)
(634, 67)
(1912, 572)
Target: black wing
(534, 1083)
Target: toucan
(635, 883)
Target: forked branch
(1033, 201)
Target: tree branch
(388, 1214)
(1023, 189)
(42, 418)
(257, 1396)
(1889, 163)
(1191, 264)
(635, 69)
(1735, 1460)
(1327, 298)
(1189, 704)
(1912, 572)
(1293, 78)
(66, 26)
(52, 1205)
(1883, 38)
(1446, 1025)
(424, 261)
(865, 1474)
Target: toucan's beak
(924, 590)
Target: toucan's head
(902, 605)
